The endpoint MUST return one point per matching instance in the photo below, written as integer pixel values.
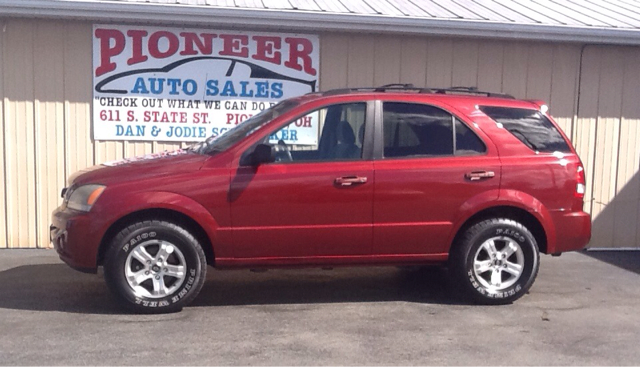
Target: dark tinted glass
(531, 127)
(467, 142)
(416, 130)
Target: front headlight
(83, 197)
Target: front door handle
(350, 180)
(479, 175)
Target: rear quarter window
(531, 127)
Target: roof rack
(411, 88)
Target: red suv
(394, 175)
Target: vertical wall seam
(426, 64)
(4, 135)
(65, 109)
(576, 102)
(616, 167)
(36, 130)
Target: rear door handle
(350, 180)
(479, 175)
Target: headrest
(345, 133)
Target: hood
(137, 168)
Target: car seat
(346, 147)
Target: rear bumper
(573, 231)
(71, 235)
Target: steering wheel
(283, 153)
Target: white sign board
(172, 84)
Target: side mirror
(264, 153)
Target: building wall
(46, 90)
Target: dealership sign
(171, 84)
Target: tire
(155, 267)
(495, 261)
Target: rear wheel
(495, 261)
(155, 267)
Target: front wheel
(155, 267)
(495, 261)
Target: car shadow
(308, 286)
(55, 287)
(627, 260)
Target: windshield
(222, 142)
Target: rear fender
(506, 198)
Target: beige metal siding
(18, 60)
(46, 89)
(45, 108)
(608, 140)
(3, 208)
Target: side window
(467, 142)
(531, 127)
(416, 130)
(332, 133)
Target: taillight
(580, 185)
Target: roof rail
(397, 87)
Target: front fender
(125, 204)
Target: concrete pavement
(582, 310)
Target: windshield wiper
(524, 139)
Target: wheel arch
(511, 212)
(166, 214)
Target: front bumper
(73, 238)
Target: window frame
(367, 144)
(379, 133)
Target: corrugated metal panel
(223, 3)
(565, 73)
(604, 13)
(249, 4)
(582, 14)
(277, 4)
(412, 61)
(439, 61)
(511, 15)
(4, 240)
(459, 11)
(490, 65)
(359, 7)
(19, 133)
(622, 6)
(48, 113)
(481, 11)
(334, 6)
(435, 10)
(360, 62)
(409, 8)
(524, 11)
(334, 61)
(609, 143)
(387, 59)
(305, 5)
(607, 9)
(384, 7)
(560, 13)
(626, 211)
(78, 92)
(464, 70)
